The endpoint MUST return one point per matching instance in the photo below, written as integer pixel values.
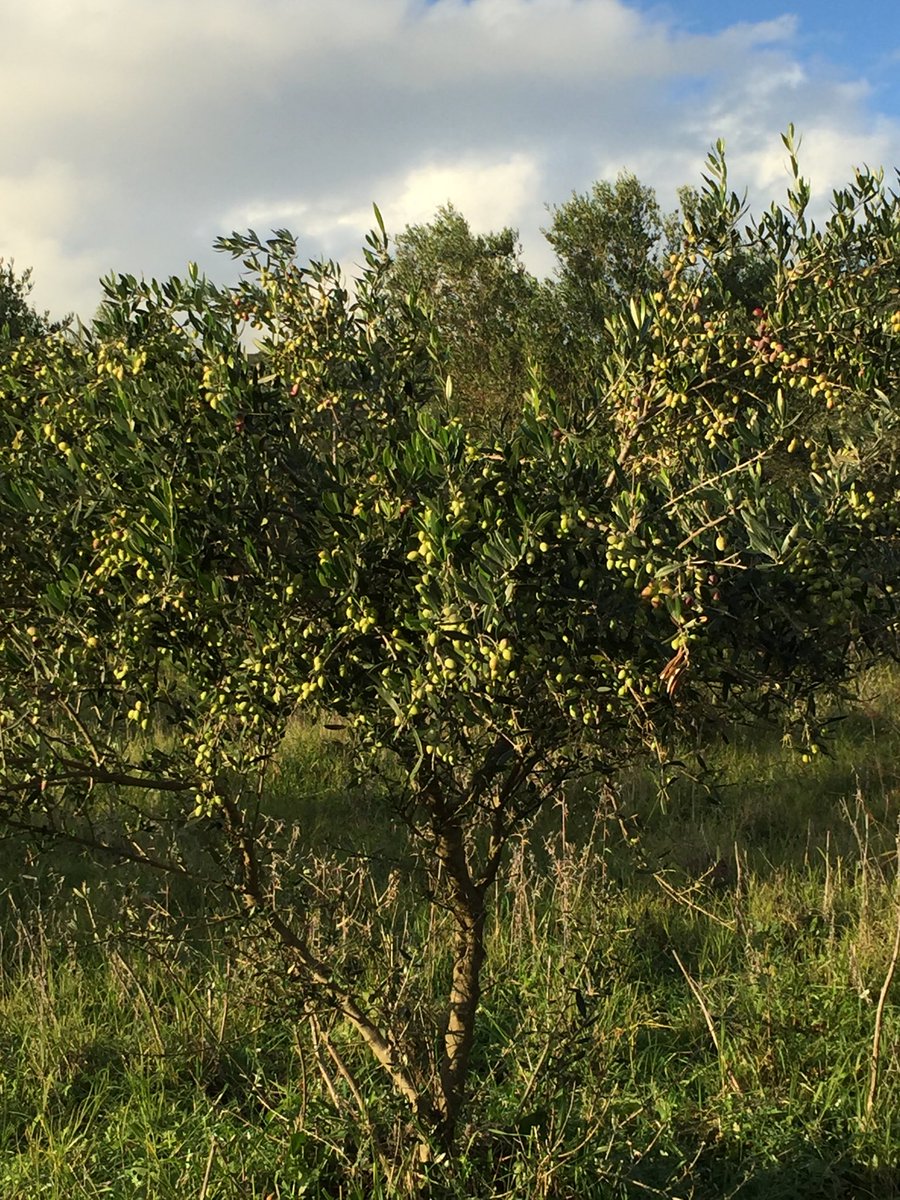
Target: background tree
(193, 549)
(484, 305)
(17, 317)
(607, 240)
(608, 243)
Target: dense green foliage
(195, 547)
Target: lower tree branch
(382, 1046)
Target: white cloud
(490, 193)
(134, 133)
(37, 225)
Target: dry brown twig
(875, 1056)
(710, 1024)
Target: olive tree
(195, 547)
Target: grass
(680, 1002)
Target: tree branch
(382, 1046)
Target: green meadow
(687, 978)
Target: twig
(875, 1059)
(123, 852)
(142, 992)
(204, 1187)
(345, 1072)
(710, 1024)
(714, 479)
(320, 1063)
(683, 898)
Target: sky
(134, 132)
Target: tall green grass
(680, 1001)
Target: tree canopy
(196, 548)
